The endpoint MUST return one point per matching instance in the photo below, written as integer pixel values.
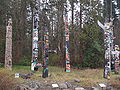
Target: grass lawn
(87, 77)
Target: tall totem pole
(109, 46)
(8, 49)
(111, 53)
(46, 41)
(108, 40)
(67, 56)
(35, 38)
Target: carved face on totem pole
(10, 22)
(108, 25)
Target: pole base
(67, 70)
(45, 74)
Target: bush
(92, 59)
(26, 61)
(1, 65)
(54, 60)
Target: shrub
(26, 61)
(92, 59)
(54, 59)
(1, 65)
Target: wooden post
(8, 49)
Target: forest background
(86, 37)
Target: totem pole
(35, 39)
(8, 49)
(108, 43)
(67, 69)
(46, 42)
(111, 51)
(108, 40)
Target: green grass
(87, 77)
(21, 69)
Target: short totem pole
(8, 49)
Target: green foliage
(1, 65)
(85, 43)
(26, 61)
(94, 51)
(92, 58)
(2, 50)
(54, 59)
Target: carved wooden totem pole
(8, 49)
(35, 39)
(67, 56)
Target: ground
(85, 77)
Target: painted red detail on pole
(67, 69)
